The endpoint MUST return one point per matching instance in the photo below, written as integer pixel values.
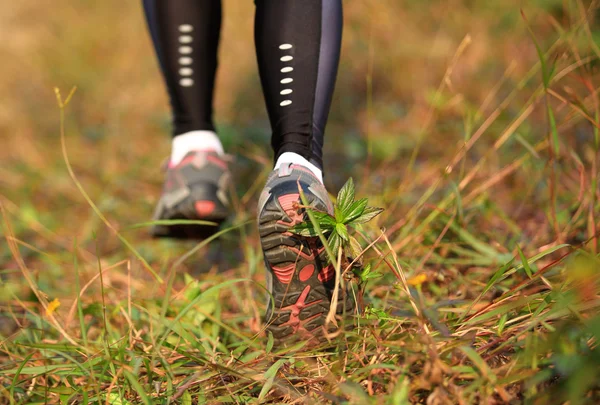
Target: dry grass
(489, 287)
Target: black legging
(297, 47)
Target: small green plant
(348, 214)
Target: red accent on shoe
(299, 253)
(305, 169)
(188, 159)
(326, 274)
(217, 161)
(287, 203)
(204, 208)
(295, 322)
(284, 274)
(306, 272)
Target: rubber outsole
(302, 278)
(200, 203)
(187, 232)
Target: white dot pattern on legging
(286, 69)
(185, 62)
(186, 28)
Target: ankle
(294, 158)
(194, 141)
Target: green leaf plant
(348, 214)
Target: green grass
(475, 128)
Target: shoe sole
(198, 205)
(302, 280)
(187, 231)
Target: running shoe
(300, 278)
(195, 189)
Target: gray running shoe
(299, 276)
(195, 189)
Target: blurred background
(434, 98)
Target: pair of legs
(297, 47)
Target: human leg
(298, 49)
(298, 46)
(185, 34)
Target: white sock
(291, 157)
(194, 140)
